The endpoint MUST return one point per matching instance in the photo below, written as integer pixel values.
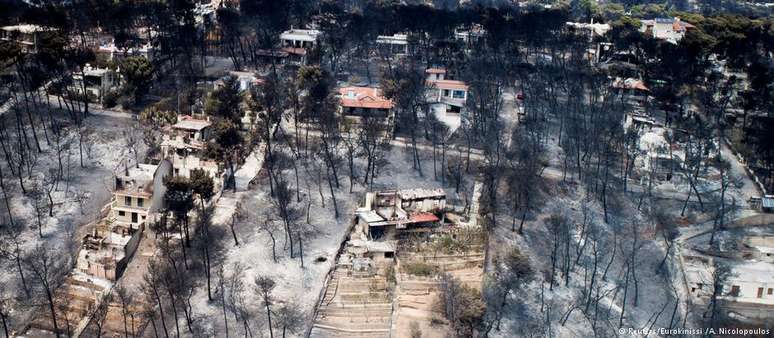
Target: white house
(27, 36)
(299, 38)
(593, 29)
(748, 289)
(469, 35)
(115, 53)
(97, 81)
(245, 80)
(297, 42)
(669, 29)
(393, 44)
(137, 195)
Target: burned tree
(48, 271)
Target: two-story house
(133, 195)
(183, 144)
(451, 93)
(137, 195)
(26, 36)
(396, 44)
(297, 42)
(96, 81)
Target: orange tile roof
(448, 84)
(363, 97)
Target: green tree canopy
(138, 73)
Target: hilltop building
(670, 29)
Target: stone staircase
(74, 298)
(354, 307)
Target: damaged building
(183, 145)
(386, 211)
(137, 196)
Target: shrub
(461, 305)
(420, 269)
(416, 332)
(447, 244)
(126, 102)
(390, 274)
(110, 99)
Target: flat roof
(396, 39)
(92, 71)
(189, 123)
(143, 172)
(760, 272)
(300, 34)
(26, 28)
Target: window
(127, 201)
(140, 202)
(770, 291)
(735, 290)
(459, 94)
(121, 213)
(446, 93)
(760, 292)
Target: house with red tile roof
(452, 93)
(359, 103)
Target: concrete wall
(157, 201)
